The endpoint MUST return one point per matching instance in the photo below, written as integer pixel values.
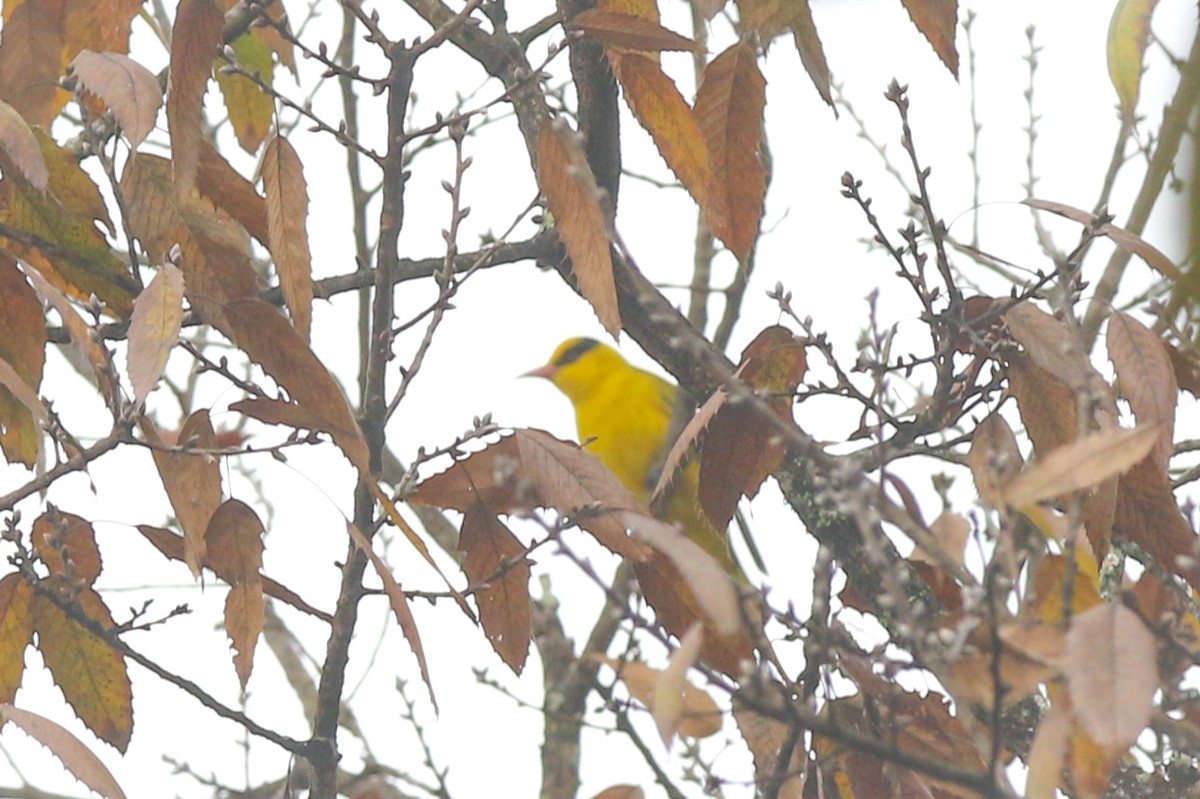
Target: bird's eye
(575, 351)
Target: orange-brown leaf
(1148, 515)
(16, 633)
(90, 672)
(994, 458)
(31, 51)
(261, 331)
(99, 25)
(83, 339)
(22, 148)
(937, 20)
(631, 32)
(154, 329)
(1112, 674)
(1048, 753)
(23, 348)
(399, 603)
(287, 211)
(192, 481)
(76, 758)
(660, 109)
(495, 559)
(729, 109)
(699, 718)
(574, 200)
(196, 34)
(707, 580)
(171, 546)
(225, 187)
(1145, 377)
(1049, 595)
(66, 543)
(812, 52)
(234, 547)
(767, 738)
(532, 469)
(647, 9)
(739, 448)
(127, 87)
(621, 792)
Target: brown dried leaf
(192, 481)
(23, 350)
(937, 20)
(729, 110)
(225, 187)
(574, 200)
(659, 108)
(171, 546)
(740, 449)
(492, 549)
(66, 543)
(16, 632)
(70, 751)
(1148, 515)
(812, 53)
(22, 148)
(262, 333)
(667, 704)
(287, 211)
(1048, 753)
(234, 547)
(30, 65)
(1126, 240)
(1081, 464)
(154, 329)
(399, 603)
(767, 738)
(90, 672)
(621, 792)
(630, 32)
(1145, 377)
(1111, 673)
(532, 469)
(1051, 345)
(127, 87)
(83, 339)
(99, 25)
(199, 25)
(699, 715)
(994, 458)
(647, 9)
(708, 581)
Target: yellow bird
(624, 417)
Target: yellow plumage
(623, 414)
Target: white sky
(508, 320)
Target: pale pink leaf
(125, 86)
(1112, 672)
(1146, 377)
(667, 705)
(77, 758)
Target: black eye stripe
(576, 351)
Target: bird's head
(578, 367)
